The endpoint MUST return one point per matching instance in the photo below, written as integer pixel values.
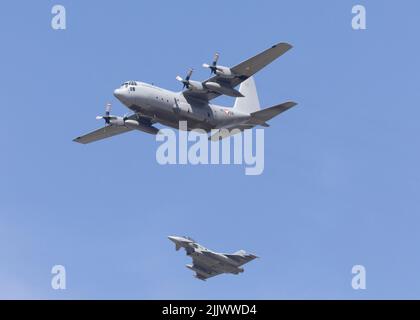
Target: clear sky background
(341, 180)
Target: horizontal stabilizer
(264, 115)
(222, 134)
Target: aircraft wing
(102, 133)
(241, 258)
(209, 271)
(113, 130)
(242, 71)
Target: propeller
(185, 81)
(213, 66)
(107, 117)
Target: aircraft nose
(118, 93)
(173, 238)
(177, 239)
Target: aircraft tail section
(249, 103)
(260, 117)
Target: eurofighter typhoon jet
(152, 104)
(206, 263)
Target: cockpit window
(129, 83)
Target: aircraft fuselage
(169, 108)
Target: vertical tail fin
(249, 103)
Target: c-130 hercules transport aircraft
(152, 104)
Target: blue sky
(341, 180)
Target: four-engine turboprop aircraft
(207, 263)
(152, 104)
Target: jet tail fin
(249, 103)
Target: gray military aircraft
(152, 104)
(206, 263)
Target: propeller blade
(189, 74)
(108, 109)
(215, 59)
(186, 80)
(205, 65)
(99, 117)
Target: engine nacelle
(136, 125)
(214, 86)
(132, 124)
(224, 72)
(116, 121)
(195, 85)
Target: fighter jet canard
(152, 104)
(207, 263)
